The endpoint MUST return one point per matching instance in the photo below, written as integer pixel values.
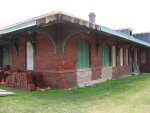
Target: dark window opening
(130, 33)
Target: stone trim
(84, 76)
(84, 69)
(107, 73)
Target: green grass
(125, 95)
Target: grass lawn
(125, 95)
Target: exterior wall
(45, 57)
(84, 77)
(120, 71)
(107, 73)
(20, 61)
(145, 68)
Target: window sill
(107, 66)
(84, 69)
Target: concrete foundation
(107, 73)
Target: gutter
(124, 36)
(18, 27)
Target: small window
(106, 55)
(82, 54)
(130, 33)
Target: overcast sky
(110, 13)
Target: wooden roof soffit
(100, 41)
(13, 41)
(67, 34)
(63, 18)
(120, 45)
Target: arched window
(82, 54)
(7, 55)
(106, 55)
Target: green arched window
(105, 55)
(7, 55)
(82, 54)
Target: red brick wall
(45, 57)
(145, 68)
(121, 71)
(19, 61)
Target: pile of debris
(4, 72)
(24, 80)
(21, 80)
(2, 75)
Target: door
(29, 56)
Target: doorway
(132, 61)
(29, 56)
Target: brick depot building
(55, 39)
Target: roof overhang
(18, 27)
(123, 36)
(50, 18)
(61, 17)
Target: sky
(114, 14)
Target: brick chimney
(92, 17)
